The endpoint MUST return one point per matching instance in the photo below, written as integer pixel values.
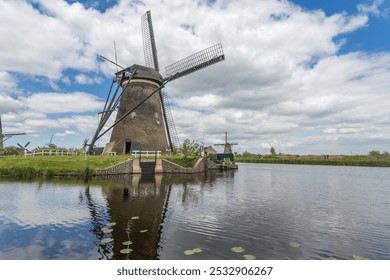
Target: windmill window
(157, 118)
(133, 115)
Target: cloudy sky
(303, 76)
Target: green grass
(373, 161)
(49, 166)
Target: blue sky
(301, 76)
(374, 37)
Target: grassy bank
(373, 161)
(84, 167)
(49, 166)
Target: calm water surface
(272, 211)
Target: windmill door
(131, 146)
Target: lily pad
(189, 252)
(126, 251)
(238, 249)
(197, 250)
(107, 230)
(111, 224)
(135, 218)
(295, 244)
(249, 257)
(364, 258)
(107, 240)
(143, 231)
(339, 235)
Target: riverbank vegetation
(373, 159)
(49, 166)
(82, 166)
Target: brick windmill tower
(144, 120)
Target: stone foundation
(132, 166)
(120, 168)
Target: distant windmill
(144, 119)
(228, 146)
(50, 144)
(5, 136)
(25, 150)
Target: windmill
(227, 145)
(50, 144)
(25, 150)
(5, 136)
(144, 120)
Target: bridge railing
(146, 153)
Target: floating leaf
(107, 240)
(295, 244)
(143, 231)
(238, 249)
(111, 224)
(127, 243)
(364, 258)
(339, 235)
(107, 230)
(193, 251)
(135, 218)
(197, 250)
(249, 257)
(126, 251)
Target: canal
(262, 211)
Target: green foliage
(273, 151)
(248, 154)
(187, 162)
(382, 161)
(188, 148)
(378, 154)
(13, 150)
(374, 153)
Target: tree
(13, 150)
(272, 151)
(188, 148)
(374, 153)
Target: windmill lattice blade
(169, 122)
(195, 62)
(150, 50)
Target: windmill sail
(150, 50)
(195, 62)
(170, 125)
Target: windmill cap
(143, 72)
